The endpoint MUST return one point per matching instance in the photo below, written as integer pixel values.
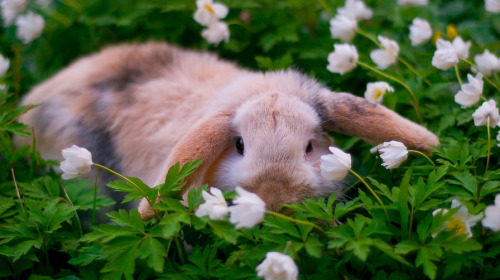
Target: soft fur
(141, 108)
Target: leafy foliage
(343, 236)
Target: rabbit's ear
(348, 114)
(206, 140)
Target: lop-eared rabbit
(140, 108)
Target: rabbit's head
(270, 131)
(273, 156)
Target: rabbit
(142, 107)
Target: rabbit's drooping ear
(206, 140)
(348, 114)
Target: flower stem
(371, 190)
(422, 154)
(458, 74)
(489, 144)
(125, 179)
(415, 100)
(402, 60)
(278, 215)
(484, 77)
(95, 199)
(369, 37)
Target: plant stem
(411, 224)
(422, 154)
(125, 179)
(415, 100)
(278, 215)
(489, 144)
(77, 223)
(180, 249)
(402, 60)
(371, 190)
(484, 77)
(95, 199)
(369, 37)
(458, 74)
(17, 191)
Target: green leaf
(489, 188)
(281, 226)
(313, 247)
(122, 263)
(136, 189)
(467, 180)
(224, 230)
(170, 225)
(132, 219)
(404, 212)
(174, 176)
(194, 197)
(406, 246)
(170, 204)
(426, 258)
(87, 255)
(154, 251)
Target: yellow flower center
(209, 8)
(438, 34)
(451, 31)
(378, 93)
(456, 224)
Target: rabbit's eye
(239, 145)
(309, 147)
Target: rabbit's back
(127, 104)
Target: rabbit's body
(141, 108)
(129, 105)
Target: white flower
(77, 161)
(393, 153)
(487, 63)
(445, 55)
(356, 10)
(492, 213)
(343, 59)
(248, 209)
(209, 12)
(498, 137)
(343, 28)
(413, 2)
(4, 65)
(470, 92)
(29, 27)
(10, 10)
(461, 221)
(277, 266)
(386, 56)
(216, 32)
(420, 31)
(487, 110)
(492, 6)
(336, 165)
(215, 205)
(461, 47)
(375, 91)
